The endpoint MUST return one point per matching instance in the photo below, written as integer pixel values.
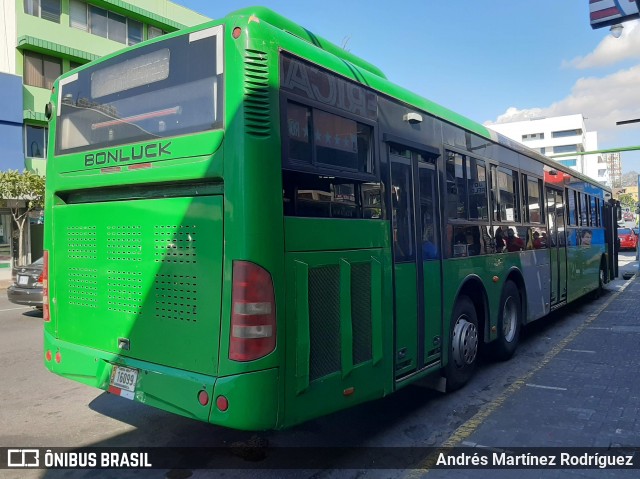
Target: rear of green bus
(155, 232)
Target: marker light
(222, 403)
(139, 166)
(203, 397)
(236, 33)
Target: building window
(41, 70)
(543, 150)
(78, 15)
(98, 21)
(565, 133)
(45, 9)
(569, 163)
(533, 136)
(134, 32)
(153, 32)
(602, 173)
(35, 141)
(117, 28)
(565, 149)
(104, 23)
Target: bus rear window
(169, 88)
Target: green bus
(248, 225)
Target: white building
(560, 135)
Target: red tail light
(44, 278)
(253, 314)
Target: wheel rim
(465, 342)
(509, 319)
(601, 278)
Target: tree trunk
(20, 241)
(19, 221)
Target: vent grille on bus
(176, 297)
(324, 321)
(124, 243)
(175, 244)
(81, 242)
(83, 287)
(325, 335)
(361, 311)
(256, 89)
(124, 291)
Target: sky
(492, 61)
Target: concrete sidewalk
(583, 393)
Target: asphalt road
(40, 409)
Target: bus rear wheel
(602, 279)
(509, 322)
(463, 344)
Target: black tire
(509, 323)
(602, 279)
(463, 344)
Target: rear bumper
(252, 397)
(25, 296)
(627, 244)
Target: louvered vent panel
(256, 89)
(324, 321)
(361, 311)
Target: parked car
(628, 239)
(27, 290)
(628, 216)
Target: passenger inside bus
(513, 242)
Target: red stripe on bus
(607, 12)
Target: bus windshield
(168, 88)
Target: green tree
(22, 193)
(626, 200)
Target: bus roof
(378, 80)
(293, 28)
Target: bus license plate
(23, 279)
(124, 378)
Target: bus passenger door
(557, 245)
(417, 298)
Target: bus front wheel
(509, 322)
(463, 344)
